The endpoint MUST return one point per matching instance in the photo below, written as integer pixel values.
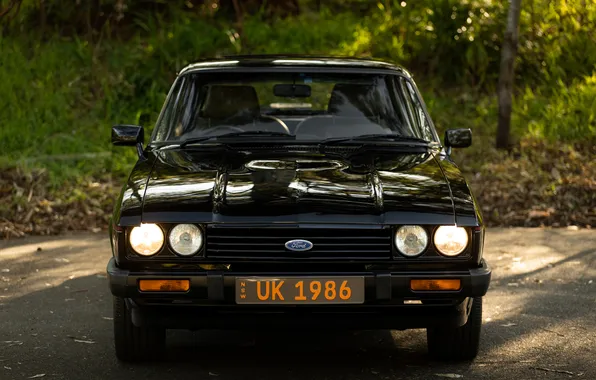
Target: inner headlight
(411, 240)
(147, 239)
(451, 240)
(186, 239)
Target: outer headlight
(451, 240)
(147, 239)
(411, 240)
(186, 239)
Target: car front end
(354, 276)
(287, 220)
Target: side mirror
(458, 138)
(129, 135)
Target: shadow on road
(70, 328)
(539, 322)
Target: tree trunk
(239, 14)
(508, 53)
(42, 17)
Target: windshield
(310, 106)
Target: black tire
(132, 343)
(457, 343)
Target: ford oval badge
(299, 245)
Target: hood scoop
(297, 165)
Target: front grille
(269, 242)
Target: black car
(296, 192)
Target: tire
(132, 343)
(457, 343)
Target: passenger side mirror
(129, 135)
(458, 138)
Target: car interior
(352, 109)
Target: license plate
(299, 290)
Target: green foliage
(310, 33)
(457, 42)
(451, 41)
(561, 113)
(67, 79)
(568, 115)
(45, 110)
(557, 41)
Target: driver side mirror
(129, 135)
(458, 138)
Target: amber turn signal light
(164, 285)
(435, 285)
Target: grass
(60, 97)
(47, 111)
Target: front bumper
(209, 303)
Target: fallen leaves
(29, 207)
(558, 371)
(539, 184)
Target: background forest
(70, 69)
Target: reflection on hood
(294, 187)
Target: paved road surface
(540, 322)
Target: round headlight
(186, 239)
(451, 240)
(147, 239)
(411, 240)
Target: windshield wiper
(374, 137)
(236, 134)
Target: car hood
(244, 187)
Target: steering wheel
(283, 125)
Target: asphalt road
(540, 322)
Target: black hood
(228, 186)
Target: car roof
(290, 60)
